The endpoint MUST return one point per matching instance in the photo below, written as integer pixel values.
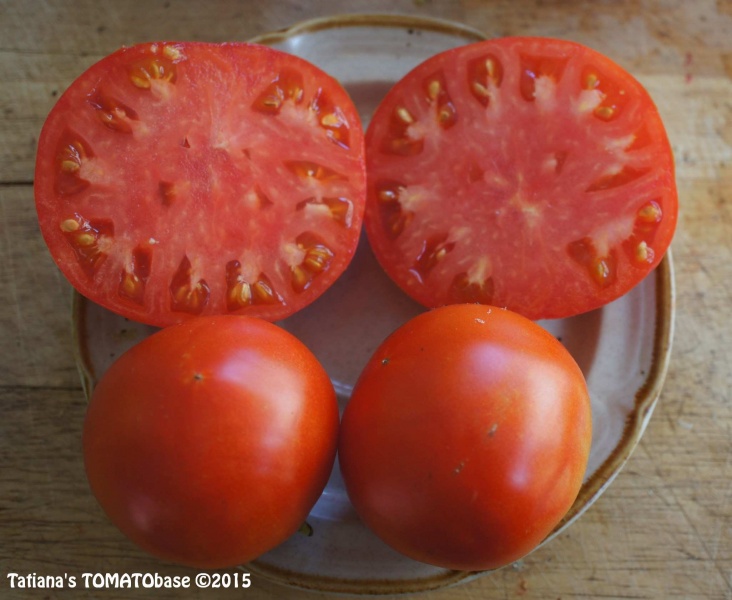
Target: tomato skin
(178, 179)
(466, 438)
(529, 173)
(208, 443)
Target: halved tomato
(530, 173)
(181, 179)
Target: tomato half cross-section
(528, 173)
(208, 443)
(467, 436)
(183, 179)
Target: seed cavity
(485, 75)
(257, 199)
(601, 269)
(641, 139)
(317, 258)
(592, 78)
(133, 279)
(71, 154)
(464, 289)
(400, 139)
(186, 294)
(241, 293)
(639, 245)
(151, 71)
(174, 53)
(394, 217)
(434, 250)
(650, 213)
(113, 113)
(331, 118)
(166, 192)
(88, 239)
(644, 253)
(439, 98)
(534, 68)
(338, 208)
(312, 171)
(622, 177)
(605, 113)
(288, 86)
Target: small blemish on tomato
(198, 376)
(459, 468)
(384, 361)
(492, 430)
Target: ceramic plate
(623, 348)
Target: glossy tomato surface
(208, 443)
(183, 179)
(466, 438)
(528, 173)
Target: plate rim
(645, 400)
(395, 20)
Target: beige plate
(623, 348)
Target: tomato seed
(591, 80)
(404, 115)
(132, 287)
(69, 225)
(263, 293)
(331, 120)
(186, 295)
(644, 253)
(173, 53)
(480, 90)
(70, 166)
(311, 170)
(604, 112)
(433, 89)
(650, 213)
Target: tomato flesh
(466, 438)
(183, 179)
(528, 173)
(208, 443)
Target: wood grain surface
(664, 527)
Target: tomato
(528, 173)
(467, 437)
(183, 179)
(208, 443)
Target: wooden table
(664, 527)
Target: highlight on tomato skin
(208, 443)
(179, 179)
(524, 172)
(467, 437)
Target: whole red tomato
(208, 443)
(467, 437)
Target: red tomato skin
(466, 438)
(208, 443)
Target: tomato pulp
(529, 173)
(208, 443)
(466, 438)
(183, 179)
